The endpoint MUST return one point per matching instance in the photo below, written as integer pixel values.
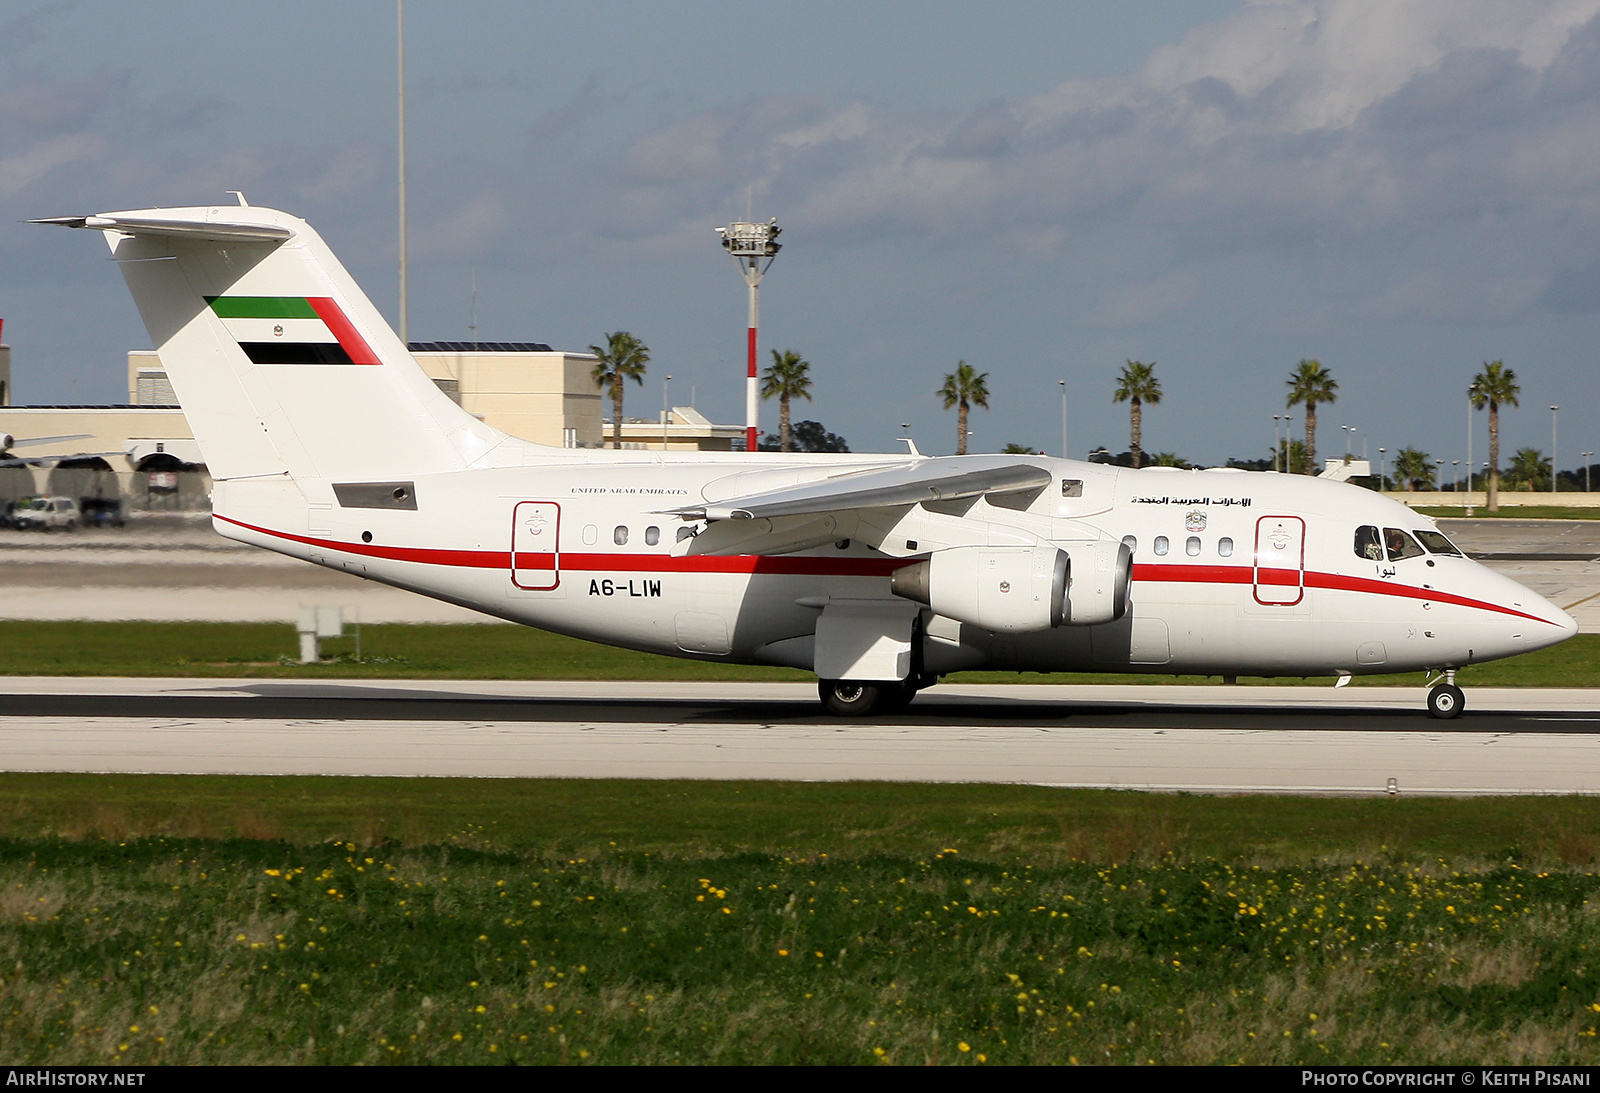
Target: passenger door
(535, 554)
(1280, 560)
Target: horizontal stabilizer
(947, 479)
(219, 230)
(281, 363)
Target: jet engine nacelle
(1101, 575)
(1022, 589)
(1000, 588)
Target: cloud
(44, 158)
(1301, 130)
(1574, 291)
(1150, 301)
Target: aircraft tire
(852, 697)
(1446, 701)
(897, 696)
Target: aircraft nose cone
(1559, 627)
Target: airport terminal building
(144, 454)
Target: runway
(1199, 739)
(1196, 739)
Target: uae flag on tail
(292, 330)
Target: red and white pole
(752, 403)
(751, 244)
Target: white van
(46, 513)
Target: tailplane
(282, 365)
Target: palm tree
(1412, 467)
(1137, 385)
(623, 358)
(1496, 384)
(1529, 469)
(1311, 384)
(962, 387)
(788, 376)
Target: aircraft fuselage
(1234, 573)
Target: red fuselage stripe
(798, 565)
(602, 563)
(1239, 574)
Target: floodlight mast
(753, 247)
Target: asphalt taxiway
(1197, 739)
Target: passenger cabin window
(685, 533)
(591, 535)
(1225, 547)
(1400, 545)
(1368, 545)
(1191, 546)
(1072, 487)
(1132, 543)
(620, 536)
(1437, 544)
(1159, 545)
(652, 536)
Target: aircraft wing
(7, 460)
(944, 479)
(9, 442)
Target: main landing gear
(861, 698)
(1446, 700)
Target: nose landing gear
(1446, 700)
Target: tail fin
(281, 363)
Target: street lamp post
(1455, 476)
(1471, 390)
(1064, 451)
(1553, 410)
(1349, 432)
(1587, 456)
(753, 247)
(1382, 459)
(1275, 441)
(666, 412)
(400, 42)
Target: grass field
(212, 920)
(513, 652)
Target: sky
(1399, 189)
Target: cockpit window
(1368, 545)
(1400, 545)
(1437, 544)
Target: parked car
(46, 513)
(101, 512)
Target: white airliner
(879, 573)
(8, 442)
